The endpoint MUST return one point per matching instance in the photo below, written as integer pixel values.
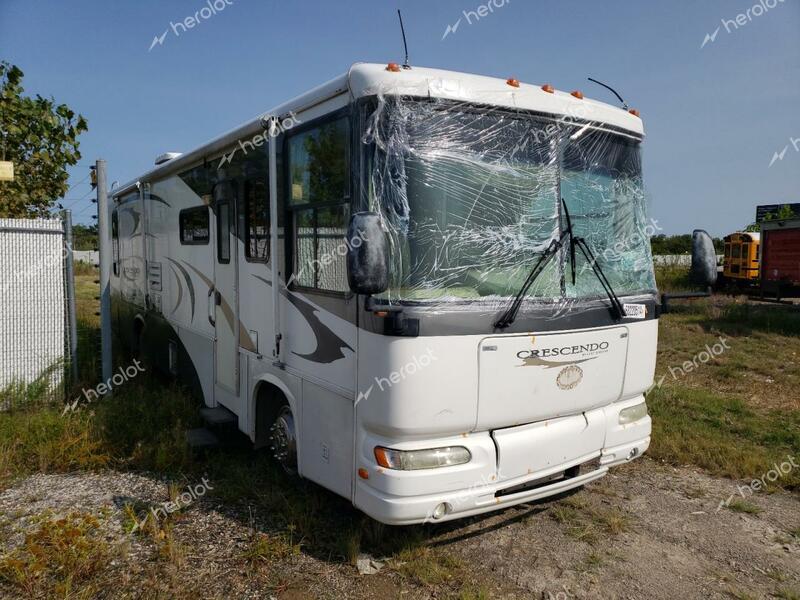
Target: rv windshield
(472, 197)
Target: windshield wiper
(616, 305)
(510, 314)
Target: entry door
(225, 295)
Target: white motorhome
(429, 292)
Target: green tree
(785, 212)
(84, 237)
(41, 138)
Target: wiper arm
(510, 314)
(616, 305)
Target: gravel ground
(644, 531)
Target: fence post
(104, 238)
(66, 216)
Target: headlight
(632, 413)
(411, 460)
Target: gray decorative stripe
(329, 345)
(189, 284)
(180, 289)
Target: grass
(673, 278)
(736, 414)
(60, 558)
(723, 416)
(589, 523)
(742, 506)
(427, 566)
(264, 547)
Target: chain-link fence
(37, 310)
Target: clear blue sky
(714, 117)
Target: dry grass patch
(62, 557)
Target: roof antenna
(613, 91)
(405, 45)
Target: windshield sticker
(635, 311)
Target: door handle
(211, 309)
(217, 298)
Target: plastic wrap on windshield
(471, 199)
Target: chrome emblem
(569, 377)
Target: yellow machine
(741, 261)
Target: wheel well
(269, 400)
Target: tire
(283, 440)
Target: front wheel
(283, 440)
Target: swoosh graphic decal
(189, 285)
(245, 341)
(155, 198)
(329, 345)
(137, 220)
(180, 289)
(535, 361)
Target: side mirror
(367, 254)
(704, 259)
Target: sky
(720, 98)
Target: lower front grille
(587, 467)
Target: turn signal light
(363, 473)
(513, 82)
(635, 113)
(393, 67)
(577, 94)
(548, 88)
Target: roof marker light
(513, 82)
(548, 88)
(393, 67)
(635, 112)
(578, 94)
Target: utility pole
(66, 218)
(104, 237)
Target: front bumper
(411, 497)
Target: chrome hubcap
(283, 441)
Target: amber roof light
(549, 88)
(635, 112)
(393, 67)
(578, 94)
(513, 82)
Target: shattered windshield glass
(471, 197)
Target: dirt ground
(644, 531)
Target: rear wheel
(283, 440)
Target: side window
(256, 220)
(115, 242)
(319, 204)
(224, 231)
(194, 225)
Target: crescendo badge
(593, 347)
